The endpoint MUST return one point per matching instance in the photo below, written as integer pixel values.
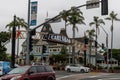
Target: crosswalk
(90, 76)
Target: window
(54, 50)
(49, 68)
(33, 69)
(41, 69)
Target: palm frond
(101, 21)
(18, 23)
(108, 18)
(92, 23)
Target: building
(55, 43)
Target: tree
(97, 22)
(4, 38)
(19, 23)
(91, 35)
(63, 50)
(73, 17)
(116, 54)
(64, 14)
(112, 17)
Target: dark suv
(35, 72)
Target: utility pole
(28, 36)
(13, 43)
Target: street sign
(92, 4)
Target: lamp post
(107, 48)
(28, 35)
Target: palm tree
(18, 23)
(91, 36)
(75, 17)
(64, 14)
(97, 22)
(112, 17)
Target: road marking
(93, 76)
(100, 79)
(65, 77)
(115, 78)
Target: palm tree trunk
(96, 49)
(111, 43)
(73, 47)
(90, 50)
(18, 45)
(65, 26)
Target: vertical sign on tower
(33, 21)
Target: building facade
(54, 44)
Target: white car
(76, 68)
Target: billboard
(33, 18)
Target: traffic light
(104, 7)
(31, 57)
(86, 40)
(103, 46)
(32, 32)
(109, 53)
(44, 48)
(30, 43)
(95, 43)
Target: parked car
(76, 68)
(4, 67)
(34, 72)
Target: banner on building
(33, 18)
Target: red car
(35, 72)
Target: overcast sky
(9, 8)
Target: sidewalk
(82, 76)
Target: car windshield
(19, 70)
(78, 65)
(75, 65)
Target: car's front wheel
(68, 70)
(50, 78)
(82, 70)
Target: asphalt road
(62, 75)
(114, 76)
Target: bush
(117, 67)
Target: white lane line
(114, 78)
(93, 76)
(64, 77)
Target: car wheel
(50, 78)
(68, 70)
(82, 70)
(26, 79)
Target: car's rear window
(49, 68)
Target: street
(62, 75)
